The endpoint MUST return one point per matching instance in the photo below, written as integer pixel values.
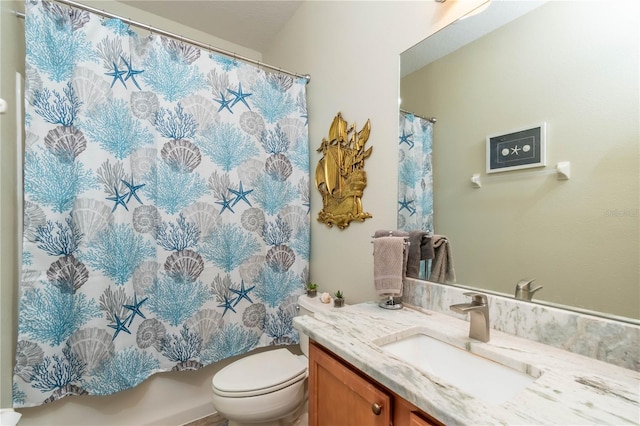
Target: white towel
(388, 265)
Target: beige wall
(351, 50)
(11, 58)
(564, 234)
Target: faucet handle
(524, 290)
(533, 290)
(525, 284)
(477, 298)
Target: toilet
(267, 388)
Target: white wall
(351, 50)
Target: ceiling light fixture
(477, 10)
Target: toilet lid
(257, 373)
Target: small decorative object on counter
(338, 302)
(325, 297)
(312, 289)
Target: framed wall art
(518, 149)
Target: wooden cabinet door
(416, 420)
(407, 414)
(338, 396)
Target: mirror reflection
(574, 67)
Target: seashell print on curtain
(415, 174)
(166, 214)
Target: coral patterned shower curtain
(166, 216)
(415, 174)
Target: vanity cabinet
(340, 394)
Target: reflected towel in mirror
(442, 270)
(420, 248)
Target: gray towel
(415, 253)
(426, 247)
(388, 265)
(442, 270)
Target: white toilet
(267, 388)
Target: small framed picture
(517, 149)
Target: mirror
(574, 67)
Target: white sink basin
(480, 377)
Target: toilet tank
(310, 306)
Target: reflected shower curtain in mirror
(166, 216)
(415, 175)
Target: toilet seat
(259, 374)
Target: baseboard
(211, 420)
(189, 416)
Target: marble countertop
(572, 389)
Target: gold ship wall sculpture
(340, 175)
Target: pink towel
(388, 265)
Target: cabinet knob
(376, 408)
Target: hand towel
(415, 253)
(395, 233)
(442, 270)
(388, 265)
(427, 247)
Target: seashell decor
(150, 333)
(28, 354)
(145, 276)
(91, 217)
(206, 323)
(204, 215)
(325, 297)
(68, 274)
(33, 218)
(202, 109)
(278, 167)
(93, 345)
(91, 88)
(181, 155)
(65, 142)
(280, 258)
(184, 265)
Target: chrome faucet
(478, 311)
(524, 290)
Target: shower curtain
(166, 215)
(415, 175)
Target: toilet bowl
(266, 388)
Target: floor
(212, 420)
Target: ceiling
(252, 24)
(491, 16)
(255, 23)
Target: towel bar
(406, 243)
